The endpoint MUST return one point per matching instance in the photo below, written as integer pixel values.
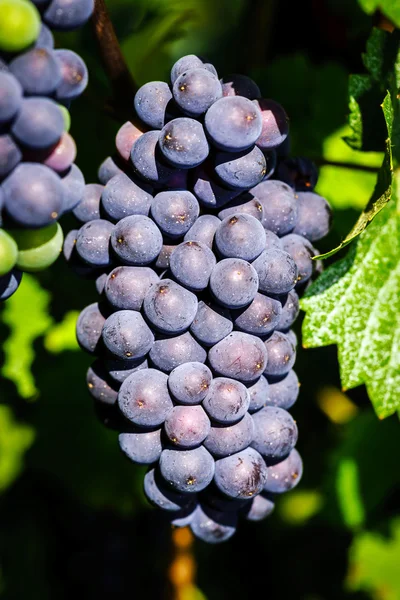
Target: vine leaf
(390, 8)
(355, 304)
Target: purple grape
(187, 426)
(126, 287)
(243, 204)
(107, 170)
(227, 400)
(39, 123)
(175, 212)
(281, 354)
(241, 170)
(151, 103)
(189, 383)
(119, 370)
(74, 75)
(259, 394)
(123, 197)
(45, 39)
(38, 72)
(98, 386)
(261, 317)
(185, 516)
(146, 159)
(93, 243)
(68, 14)
(276, 271)
(170, 307)
(301, 251)
(242, 475)
(10, 96)
(283, 391)
(187, 471)
(240, 236)
(196, 90)
(136, 240)
(73, 183)
(126, 136)
(213, 526)
(290, 310)
(285, 475)
(170, 352)
(191, 61)
(158, 494)
(183, 143)
(280, 207)
(239, 356)
(211, 324)
(240, 85)
(259, 508)
(10, 155)
(208, 192)
(9, 284)
(275, 124)
(203, 230)
(163, 258)
(314, 216)
(88, 208)
(143, 448)
(225, 440)
(234, 282)
(298, 172)
(126, 335)
(191, 264)
(233, 124)
(275, 433)
(144, 398)
(89, 327)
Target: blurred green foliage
(72, 514)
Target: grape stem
(114, 63)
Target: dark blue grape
(39, 123)
(38, 72)
(260, 317)
(123, 197)
(285, 475)
(233, 124)
(10, 96)
(175, 212)
(298, 172)
(234, 282)
(100, 282)
(9, 284)
(73, 183)
(188, 471)
(280, 207)
(314, 218)
(211, 526)
(189, 383)
(45, 39)
(187, 426)
(241, 170)
(290, 310)
(259, 394)
(191, 264)
(281, 354)
(151, 103)
(203, 230)
(185, 516)
(163, 258)
(191, 61)
(242, 475)
(243, 204)
(144, 398)
(170, 352)
(158, 493)
(283, 391)
(143, 448)
(107, 170)
(119, 370)
(183, 143)
(68, 14)
(276, 271)
(146, 159)
(275, 433)
(292, 337)
(211, 324)
(272, 240)
(227, 400)
(259, 508)
(196, 90)
(208, 192)
(126, 335)
(98, 386)
(239, 356)
(225, 440)
(302, 251)
(88, 208)
(240, 85)
(136, 240)
(74, 75)
(10, 155)
(33, 195)
(89, 327)
(170, 307)
(126, 287)
(93, 243)
(240, 236)
(275, 124)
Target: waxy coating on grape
(224, 440)
(10, 96)
(190, 61)
(89, 327)
(66, 14)
(302, 251)
(290, 310)
(234, 282)
(259, 394)
(285, 475)
(243, 204)
(187, 426)
(280, 207)
(275, 433)
(159, 494)
(283, 391)
(93, 243)
(38, 72)
(145, 157)
(183, 143)
(227, 400)
(98, 386)
(314, 216)
(122, 197)
(240, 236)
(175, 212)
(136, 240)
(170, 307)
(188, 471)
(73, 184)
(126, 335)
(233, 123)
(261, 317)
(88, 208)
(144, 398)
(241, 170)
(242, 475)
(208, 191)
(39, 123)
(203, 230)
(189, 383)
(239, 356)
(126, 136)
(118, 369)
(275, 124)
(10, 155)
(211, 324)
(151, 103)
(126, 287)
(276, 271)
(107, 170)
(74, 75)
(143, 448)
(196, 90)
(169, 352)
(191, 264)
(281, 354)
(212, 526)
(259, 508)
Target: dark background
(73, 520)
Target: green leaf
(348, 493)
(62, 336)
(390, 8)
(355, 304)
(15, 439)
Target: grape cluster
(39, 181)
(199, 256)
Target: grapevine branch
(117, 71)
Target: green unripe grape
(19, 24)
(66, 116)
(38, 248)
(8, 252)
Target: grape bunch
(199, 256)
(39, 181)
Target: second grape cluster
(200, 237)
